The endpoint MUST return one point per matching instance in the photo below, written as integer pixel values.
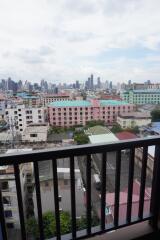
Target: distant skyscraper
(77, 84)
(92, 83)
(129, 82)
(110, 85)
(98, 82)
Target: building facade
(70, 113)
(132, 119)
(48, 98)
(19, 117)
(35, 133)
(8, 188)
(149, 96)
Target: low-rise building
(125, 135)
(123, 196)
(47, 187)
(35, 132)
(71, 113)
(48, 98)
(29, 99)
(132, 119)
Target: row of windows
(87, 109)
(75, 114)
(87, 118)
(75, 123)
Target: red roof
(135, 201)
(125, 135)
(112, 97)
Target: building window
(33, 135)
(46, 184)
(65, 181)
(8, 213)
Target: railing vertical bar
(88, 193)
(73, 200)
(56, 198)
(103, 191)
(117, 187)
(155, 193)
(143, 181)
(20, 201)
(2, 218)
(38, 196)
(130, 184)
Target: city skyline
(63, 41)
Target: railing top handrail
(76, 150)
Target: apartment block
(20, 116)
(78, 112)
(148, 96)
(8, 188)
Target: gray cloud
(59, 39)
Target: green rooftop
(74, 103)
(96, 130)
(112, 102)
(85, 103)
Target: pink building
(78, 112)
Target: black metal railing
(74, 151)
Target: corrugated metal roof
(103, 138)
(125, 135)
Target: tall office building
(110, 85)
(92, 83)
(98, 82)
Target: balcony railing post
(88, 193)
(56, 198)
(103, 191)
(155, 194)
(73, 198)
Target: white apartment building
(19, 117)
(9, 197)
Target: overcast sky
(66, 40)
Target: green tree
(81, 138)
(32, 227)
(95, 123)
(82, 222)
(65, 221)
(133, 130)
(116, 128)
(49, 224)
(155, 114)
